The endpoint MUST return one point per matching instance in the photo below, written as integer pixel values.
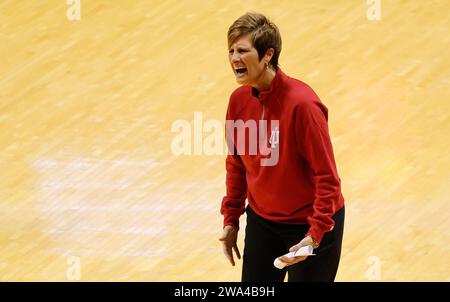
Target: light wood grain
(86, 108)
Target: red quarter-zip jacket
(303, 187)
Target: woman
(295, 199)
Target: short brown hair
(264, 34)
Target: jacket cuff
(316, 234)
(231, 221)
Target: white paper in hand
(303, 251)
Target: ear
(269, 54)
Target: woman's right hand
(229, 242)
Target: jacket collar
(274, 88)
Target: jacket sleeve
(314, 144)
(233, 203)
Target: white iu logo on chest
(274, 138)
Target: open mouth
(241, 71)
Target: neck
(265, 80)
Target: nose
(235, 57)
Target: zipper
(263, 109)
(262, 130)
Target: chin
(241, 81)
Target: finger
(300, 258)
(294, 248)
(228, 254)
(292, 261)
(236, 250)
(286, 259)
(298, 246)
(230, 258)
(297, 260)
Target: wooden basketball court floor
(91, 190)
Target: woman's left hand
(290, 261)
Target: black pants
(265, 240)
